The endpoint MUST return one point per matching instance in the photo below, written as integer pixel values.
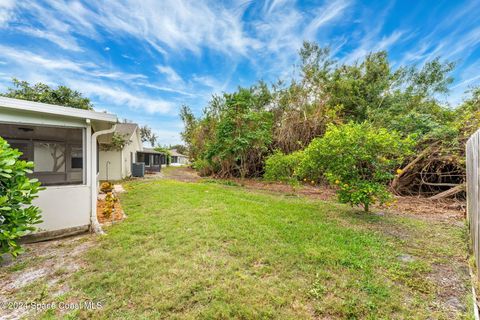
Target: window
(156, 159)
(76, 154)
(57, 152)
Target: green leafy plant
(232, 138)
(282, 167)
(117, 143)
(17, 214)
(166, 152)
(359, 159)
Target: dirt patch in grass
(39, 272)
(446, 209)
(185, 174)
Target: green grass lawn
(211, 251)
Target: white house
(178, 159)
(62, 142)
(116, 164)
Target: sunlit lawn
(210, 251)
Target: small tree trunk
(365, 207)
(448, 193)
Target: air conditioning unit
(138, 169)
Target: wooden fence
(473, 194)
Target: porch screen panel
(57, 152)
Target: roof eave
(51, 109)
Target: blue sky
(143, 59)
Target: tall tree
(41, 92)
(148, 135)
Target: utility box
(138, 169)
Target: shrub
(282, 167)
(203, 167)
(109, 206)
(359, 159)
(17, 214)
(106, 187)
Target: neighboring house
(153, 159)
(62, 143)
(177, 159)
(115, 163)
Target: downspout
(94, 225)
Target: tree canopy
(147, 135)
(41, 92)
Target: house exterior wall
(114, 167)
(129, 153)
(62, 207)
(120, 165)
(180, 161)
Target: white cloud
(6, 11)
(39, 62)
(85, 77)
(176, 24)
(120, 96)
(36, 61)
(117, 75)
(64, 41)
(171, 24)
(164, 88)
(372, 43)
(168, 137)
(324, 15)
(171, 74)
(466, 82)
(468, 79)
(211, 82)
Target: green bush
(17, 214)
(281, 167)
(359, 159)
(203, 167)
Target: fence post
(473, 194)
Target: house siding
(114, 167)
(64, 207)
(120, 165)
(132, 148)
